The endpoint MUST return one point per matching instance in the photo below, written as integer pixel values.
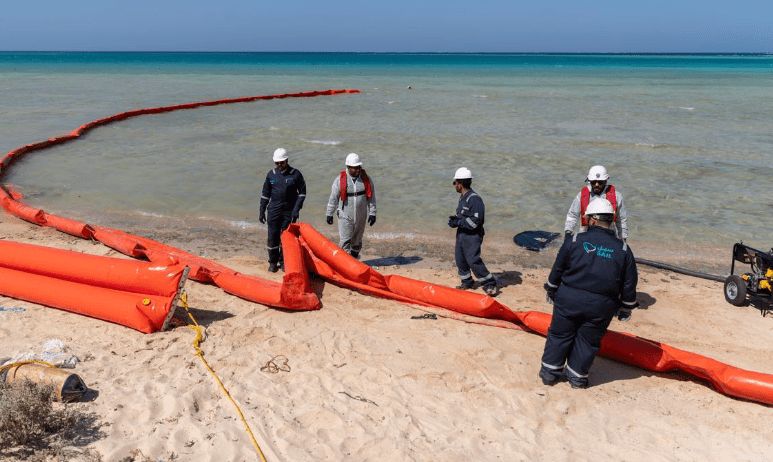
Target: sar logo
(588, 247)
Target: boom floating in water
(306, 250)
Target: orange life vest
(585, 200)
(343, 183)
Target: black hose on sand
(680, 270)
(539, 240)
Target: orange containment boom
(135, 294)
(335, 265)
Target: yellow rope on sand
(196, 346)
(22, 363)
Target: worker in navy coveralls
(468, 221)
(283, 194)
(593, 279)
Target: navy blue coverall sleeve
(473, 215)
(630, 279)
(561, 264)
(301, 195)
(265, 195)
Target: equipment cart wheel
(735, 290)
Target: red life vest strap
(585, 200)
(342, 185)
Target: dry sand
(430, 389)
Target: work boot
(578, 383)
(548, 377)
(491, 289)
(272, 267)
(466, 284)
(355, 254)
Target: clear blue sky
(388, 25)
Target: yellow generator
(754, 287)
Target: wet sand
(210, 237)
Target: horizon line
(414, 52)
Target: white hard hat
(353, 160)
(463, 173)
(280, 155)
(599, 206)
(598, 172)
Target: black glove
(550, 293)
(294, 217)
(329, 219)
(568, 235)
(262, 217)
(371, 220)
(453, 221)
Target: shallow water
(686, 139)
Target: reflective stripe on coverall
(283, 195)
(470, 213)
(595, 274)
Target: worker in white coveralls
(353, 200)
(598, 186)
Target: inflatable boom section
(333, 264)
(250, 288)
(135, 294)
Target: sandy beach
(365, 381)
(183, 132)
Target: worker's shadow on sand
(508, 278)
(605, 371)
(397, 260)
(645, 300)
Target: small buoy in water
(410, 87)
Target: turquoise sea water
(687, 138)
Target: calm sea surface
(687, 139)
